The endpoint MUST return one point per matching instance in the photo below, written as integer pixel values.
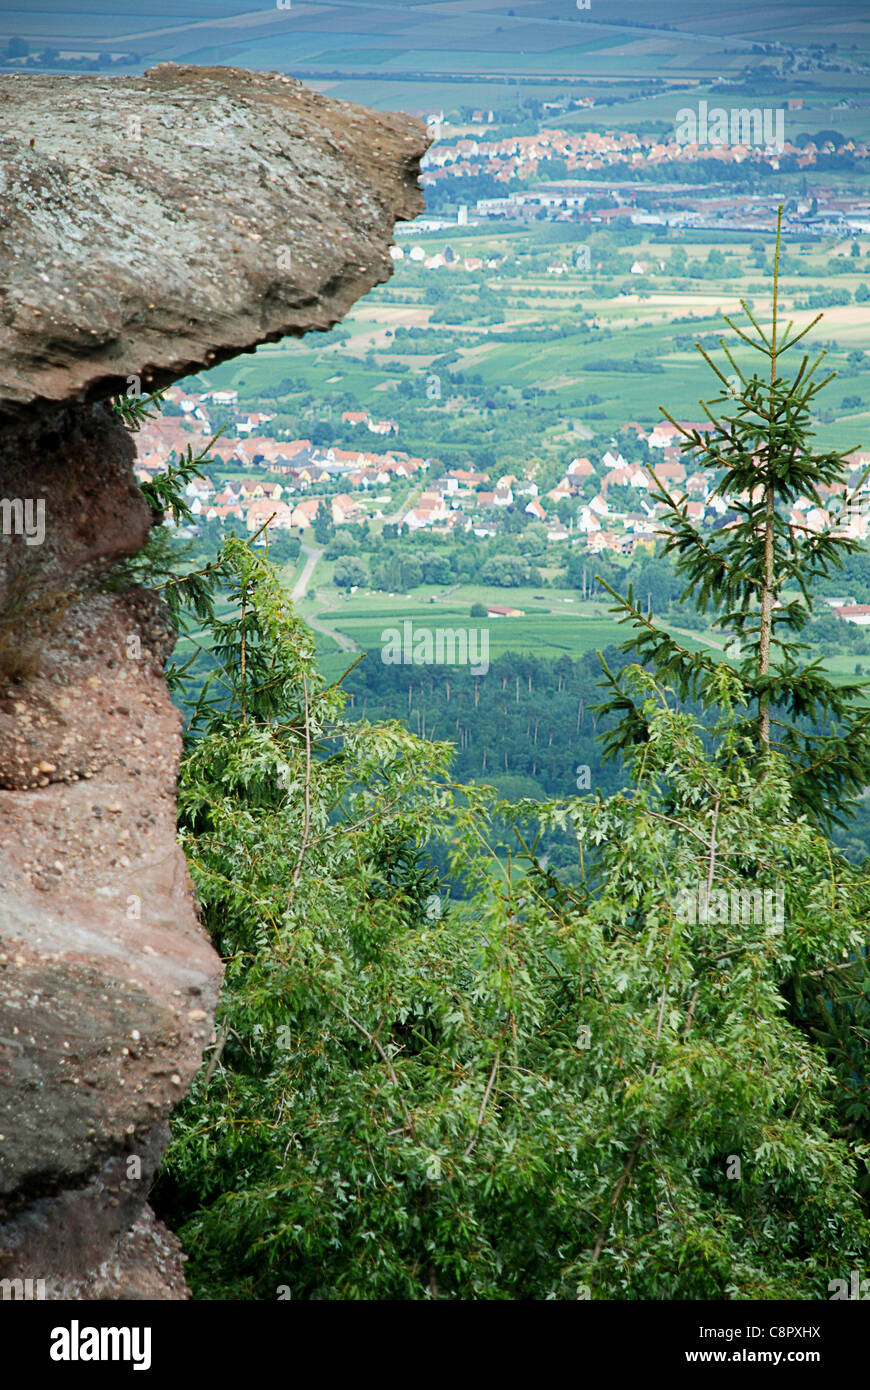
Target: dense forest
(531, 727)
(529, 721)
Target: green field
(655, 324)
(556, 622)
(421, 54)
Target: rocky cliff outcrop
(148, 228)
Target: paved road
(300, 588)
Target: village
(612, 504)
(559, 175)
(518, 156)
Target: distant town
(551, 175)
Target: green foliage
(762, 452)
(528, 717)
(189, 595)
(349, 573)
(165, 491)
(134, 409)
(283, 547)
(508, 571)
(323, 527)
(528, 1096)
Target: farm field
(541, 633)
(614, 338)
(556, 623)
(424, 54)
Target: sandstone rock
(148, 227)
(161, 223)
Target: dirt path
(300, 588)
(345, 643)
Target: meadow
(617, 320)
(556, 622)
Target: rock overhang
(158, 225)
(149, 227)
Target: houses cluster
(468, 500)
(837, 211)
(520, 156)
(362, 417)
(441, 506)
(441, 260)
(615, 503)
(462, 499)
(523, 166)
(300, 464)
(610, 524)
(844, 512)
(256, 503)
(619, 506)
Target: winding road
(300, 589)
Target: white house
(587, 521)
(859, 614)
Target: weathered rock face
(152, 225)
(148, 227)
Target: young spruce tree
(758, 570)
(757, 573)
